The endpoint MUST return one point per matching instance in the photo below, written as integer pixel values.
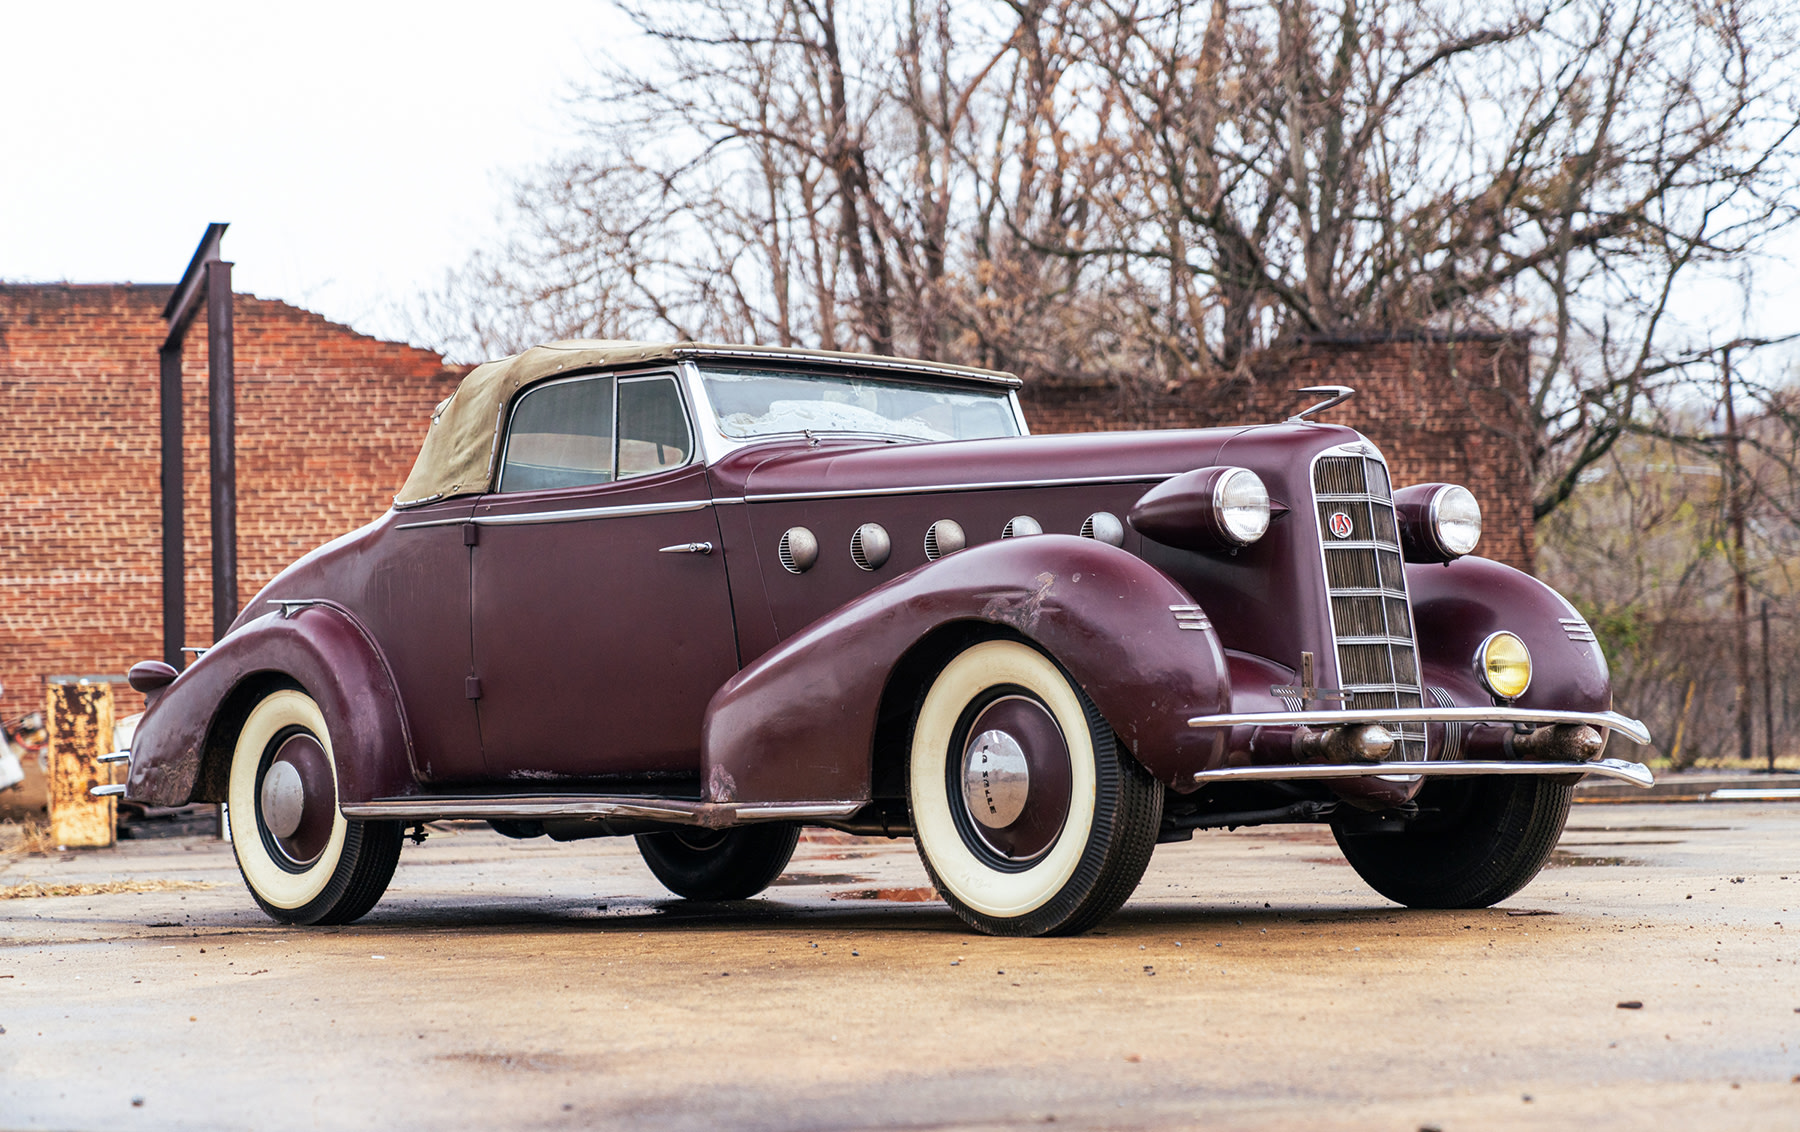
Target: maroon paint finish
(317, 817)
(183, 746)
(1050, 776)
(405, 578)
(799, 722)
(1456, 606)
(596, 651)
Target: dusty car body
(708, 595)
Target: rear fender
(801, 723)
(182, 750)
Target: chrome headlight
(1504, 665)
(1455, 520)
(1216, 508)
(1439, 522)
(1241, 503)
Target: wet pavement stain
(821, 878)
(1562, 858)
(902, 895)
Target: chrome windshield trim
(1624, 725)
(1635, 773)
(573, 515)
(933, 489)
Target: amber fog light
(1504, 664)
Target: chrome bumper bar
(1624, 725)
(1635, 773)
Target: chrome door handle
(687, 548)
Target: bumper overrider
(1355, 744)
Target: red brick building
(329, 422)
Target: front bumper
(1401, 769)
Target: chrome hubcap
(1014, 777)
(996, 779)
(283, 799)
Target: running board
(538, 807)
(1635, 773)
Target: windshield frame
(716, 444)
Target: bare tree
(1151, 192)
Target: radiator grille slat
(1371, 616)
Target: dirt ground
(1253, 983)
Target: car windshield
(751, 403)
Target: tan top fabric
(462, 448)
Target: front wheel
(1029, 817)
(1476, 842)
(719, 864)
(302, 860)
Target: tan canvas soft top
(461, 449)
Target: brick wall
(1441, 411)
(329, 422)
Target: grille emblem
(1340, 524)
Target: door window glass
(653, 428)
(561, 436)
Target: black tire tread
(747, 861)
(1501, 842)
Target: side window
(561, 436)
(653, 428)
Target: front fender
(1456, 606)
(182, 749)
(800, 722)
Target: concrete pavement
(1254, 982)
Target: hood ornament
(1334, 394)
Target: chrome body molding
(1635, 773)
(1624, 725)
(571, 515)
(935, 489)
(108, 791)
(676, 811)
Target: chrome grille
(1370, 615)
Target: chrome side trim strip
(781, 811)
(933, 489)
(536, 806)
(1630, 728)
(1635, 773)
(575, 515)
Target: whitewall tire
(1029, 817)
(301, 859)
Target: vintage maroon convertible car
(709, 595)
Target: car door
(600, 613)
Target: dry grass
(27, 838)
(108, 888)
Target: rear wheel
(1476, 842)
(1029, 817)
(303, 861)
(719, 864)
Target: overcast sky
(358, 150)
